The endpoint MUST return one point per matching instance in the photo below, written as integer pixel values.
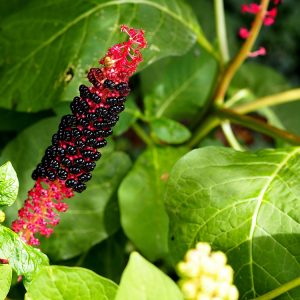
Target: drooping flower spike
(69, 161)
(269, 19)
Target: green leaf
(9, 185)
(142, 280)
(38, 72)
(170, 131)
(93, 215)
(5, 280)
(246, 204)
(58, 282)
(178, 87)
(128, 117)
(143, 215)
(24, 259)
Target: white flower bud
(225, 274)
(189, 289)
(2, 216)
(204, 248)
(203, 297)
(208, 285)
(219, 258)
(233, 293)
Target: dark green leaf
(5, 280)
(9, 185)
(24, 259)
(178, 87)
(246, 204)
(142, 280)
(128, 117)
(170, 131)
(48, 46)
(93, 215)
(56, 282)
(143, 215)
(109, 258)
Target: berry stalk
(68, 163)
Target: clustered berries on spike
(67, 164)
(269, 19)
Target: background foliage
(150, 192)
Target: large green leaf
(8, 185)
(24, 259)
(57, 282)
(93, 215)
(246, 204)
(143, 215)
(48, 46)
(178, 87)
(142, 280)
(5, 280)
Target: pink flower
(244, 33)
(69, 161)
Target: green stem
(142, 134)
(230, 137)
(281, 290)
(203, 42)
(257, 125)
(272, 100)
(205, 128)
(242, 54)
(221, 30)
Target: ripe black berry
(84, 177)
(74, 170)
(89, 166)
(100, 144)
(96, 99)
(51, 175)
(108, 84)
(95, 156)
(79, 162)
(62, 174)
(79, 187)
(79, 144)
(66, 162)
(84, 91)
(70, 183)
(71, 150)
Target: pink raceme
(68, 163)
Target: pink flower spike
(252, 8)
(260, 52)
(244, 33)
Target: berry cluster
(73, 153)
(67, 164)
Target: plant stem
(221, 30)
(142, 134)
(206, 127)
(203, 42)
(230, 137)
(281, 290)
(257, 125)
(242, 54)
(272, 100)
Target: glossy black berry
(68, 121)
(101, 112)
(54, 164)
(107, 132)
(74, 170)
(35, 175)
(95, 156)
(70, 183)
(91, 116)
(100, 144)
(87, 132)
(84, 177)
(84, 91)
(67, 135)
(111, 100)
(51, 175)
(66, 162)
(108, 84)
(96, 99)
(62, 174)
(79, 187)
(122, 86)
(55, 139)
(79, 162)
(79, 144)
(76, 133)
(83, 122)
(71, 150)
(61, 151)
(51, 151)
(89, 166)
(90, 142)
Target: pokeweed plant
(208, 221)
